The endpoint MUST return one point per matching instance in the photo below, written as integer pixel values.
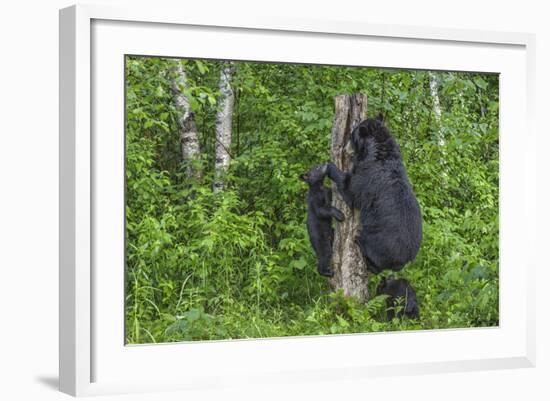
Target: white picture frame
(93, 357)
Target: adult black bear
(319, 218)
(391, 224)
(401, 294)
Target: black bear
(401, 297)
(377, 185)
(319, 218)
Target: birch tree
(348, 264)
(189, 140)
(434, 91)
(439, 135)
(224, 118)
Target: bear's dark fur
(319, 218)
(400, 294)
(378, 186)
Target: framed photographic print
(273, 200)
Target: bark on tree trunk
(434, 90)
(350, 269)
(189, 138)
(440, 135)
(224, 118)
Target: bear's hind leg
(361, 242)
(324, 257)
(323, 267)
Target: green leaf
(299, 264)
(480, 82)
(159, 92)
(343, 322)
(193, 315)
(200, 65)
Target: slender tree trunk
(350, 269)
(439, 136)
(224, 119)
(189, 138)
(434, 90)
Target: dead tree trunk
(189, 138)
(350, 269)
(224, 119)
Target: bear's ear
(380, 117)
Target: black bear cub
(400, 293)
(319, 218)
(378, 186)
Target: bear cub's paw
(338, 215)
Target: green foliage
(238, 264)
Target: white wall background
(29, 198)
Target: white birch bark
(434, 90)
(348, 264)
(224, 118)
(189, 139)
(440, 137)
